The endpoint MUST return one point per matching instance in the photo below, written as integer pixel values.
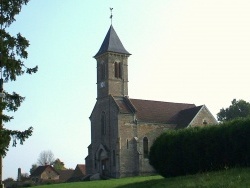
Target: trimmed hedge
(200, 149)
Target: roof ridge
(164, 101)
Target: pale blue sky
(190, 51)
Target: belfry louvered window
(118, 70)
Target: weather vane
(111, 16)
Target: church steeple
(112, 67)
(112, 43)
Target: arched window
(103, 123)
(145, 147)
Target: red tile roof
(156, 111)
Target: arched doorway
(103, 160)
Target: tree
(25, 177)
(33, 168)
(58, 165)
(237, 109)
(13, 52)
(46, 158)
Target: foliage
(9, 180)
(33, 168)
(13, 51)
(237, 109)
(58, 165)
(46, 158)
(24, 177)
(227, 178)
(202, 149)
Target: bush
(200, 149)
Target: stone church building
(123, 129)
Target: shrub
(200, 149)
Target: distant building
(65, 175)
(44, 174)
(79, 173)
(123, 129)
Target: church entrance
(104, 169)
(103, 160)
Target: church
(123, 129)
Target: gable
(203, 117)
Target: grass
(238, 177)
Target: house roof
(65, 174)
(112, 43)
(79, 173)
(81, 168)
(39, 170)
(155, 111)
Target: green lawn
(227, 178)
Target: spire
(112, 43)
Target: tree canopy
(46, 158)
(13, 52)
(238, 109)
(33, 168)
(59, 165)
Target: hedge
(201, 149)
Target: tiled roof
(152, 111)
(79, 173)
(112, 43)
(184, 117)
(157, 111)
(64, 175)
(123, 105)
(82, 168)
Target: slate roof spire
(112, 43)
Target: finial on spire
(111, 16)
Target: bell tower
(112, 67)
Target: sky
(187, 51)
